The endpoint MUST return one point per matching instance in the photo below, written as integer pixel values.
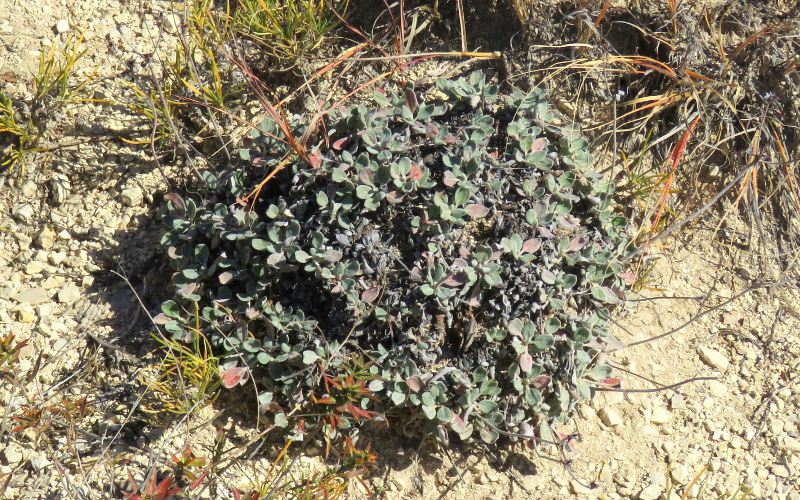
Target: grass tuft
(287, 31)
(52, 81)
(186, 379)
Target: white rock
(614, 398)
(605, 472)
(62, 26)
(23, 213)
(651, 492)
(46, 238)
(56, 258)
(131, 197)
(33, 296)
(69, 293)
(40, 461)
(680, 473)
(660, 415)
(713, 358)
(26, 314)
(29, 189)
(579, 489)
(169, 23)
(610, 417)
(717, 388)
(791, 444)
(14, 453)
(33, 267)
(780, 470)
(648, 430)
(53, 282)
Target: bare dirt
(737, 428)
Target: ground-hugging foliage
(448, 259)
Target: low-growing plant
(63, 416)
(52, 87)
(52, 80)
(462, 249)
(15, 136)
(186, 378)
(286, 30)
(9, 355)
(196, 88)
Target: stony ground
(83, 218)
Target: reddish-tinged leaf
(525, 362)
(541, 381)
(431, 130)
(564, 437)
(629, 277)
(575, 244)
(198, 482)
(414, 383)
(411, 100)
(449, 179)
(415, 173)
(460, 263)
(450, 139)
(175, 199)
(370, 294)
(233, 376)
(454, 280)
(339, 144)
(531, 245)
(457, 423)
(394, 197)
(357, 413)
(476, 210)
(539, 144)
(315, 158)
(162, 319)
(611, 382)
(188, 288)
(324, 400)
(546, 233)
(548, 276)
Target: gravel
(713, 358)
(610, 416)
(33, 296)
(62, 26)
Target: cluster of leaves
(462, 250)
(63, 416)
(9, 355)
